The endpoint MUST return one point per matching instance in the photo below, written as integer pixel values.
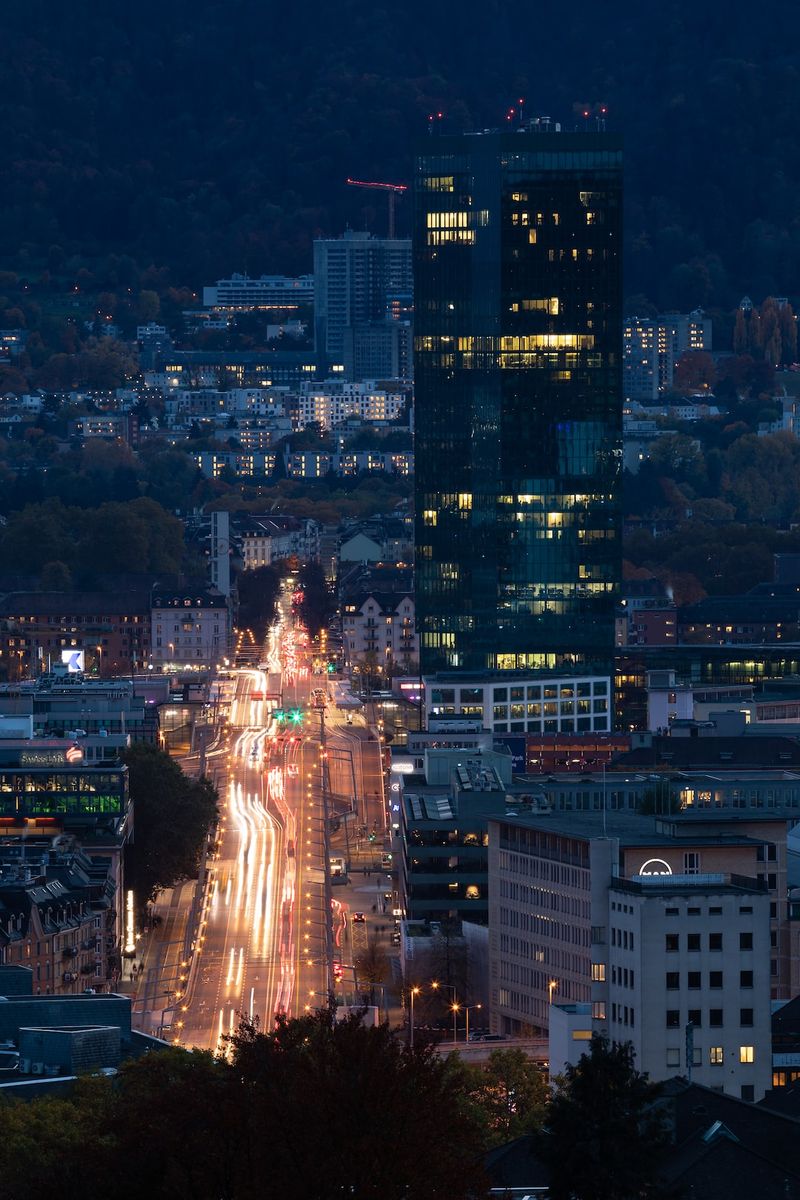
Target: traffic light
(296, 716)
(331, 668)
(280, 716)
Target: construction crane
(392, 190)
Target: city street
(261, 930)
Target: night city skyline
(399, 601)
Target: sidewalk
(361, 893)
(158, 972)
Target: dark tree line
(318, 1109)
(130, 162)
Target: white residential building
(189, 629)
(331, 404)
(381, 625)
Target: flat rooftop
(632, 829)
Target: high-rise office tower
(517, 263)
(355, 278)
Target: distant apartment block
(239, 464)
(355, 277)
(107, 426)
(651, 346)
(240, 293)
(266, 540)
(332, 403)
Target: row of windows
(672, 941)
(44, 804)
(716, 1017)
(694, 980)
(716, 1057)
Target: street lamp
(456, 1009)
(551, 988)
(467, 1010)
(414, 992)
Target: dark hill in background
(205, 137)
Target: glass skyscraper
(517, 354)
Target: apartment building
(57, 918)
(110, 632)
(652, 346)
(240, 293)
(381, 625)
(189, 629)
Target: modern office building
(517, 262)
(355, 278)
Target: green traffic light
(279, 715)
(296, 715)
(331, 668)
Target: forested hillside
(200, 137)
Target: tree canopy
(315, 1109)
(603, 1134)
(171, 818)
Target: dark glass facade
(517, 261)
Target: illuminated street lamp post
(467, 1010)
(456, 1009)
(414, 992)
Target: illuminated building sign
(655, 866)
(50, 758)
(73, 660)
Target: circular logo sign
(655, 866)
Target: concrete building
(239, 293)
(383, 350)
(444, 810)
(354, 277)
(103, 715)
(189, 629)
(554, 878)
